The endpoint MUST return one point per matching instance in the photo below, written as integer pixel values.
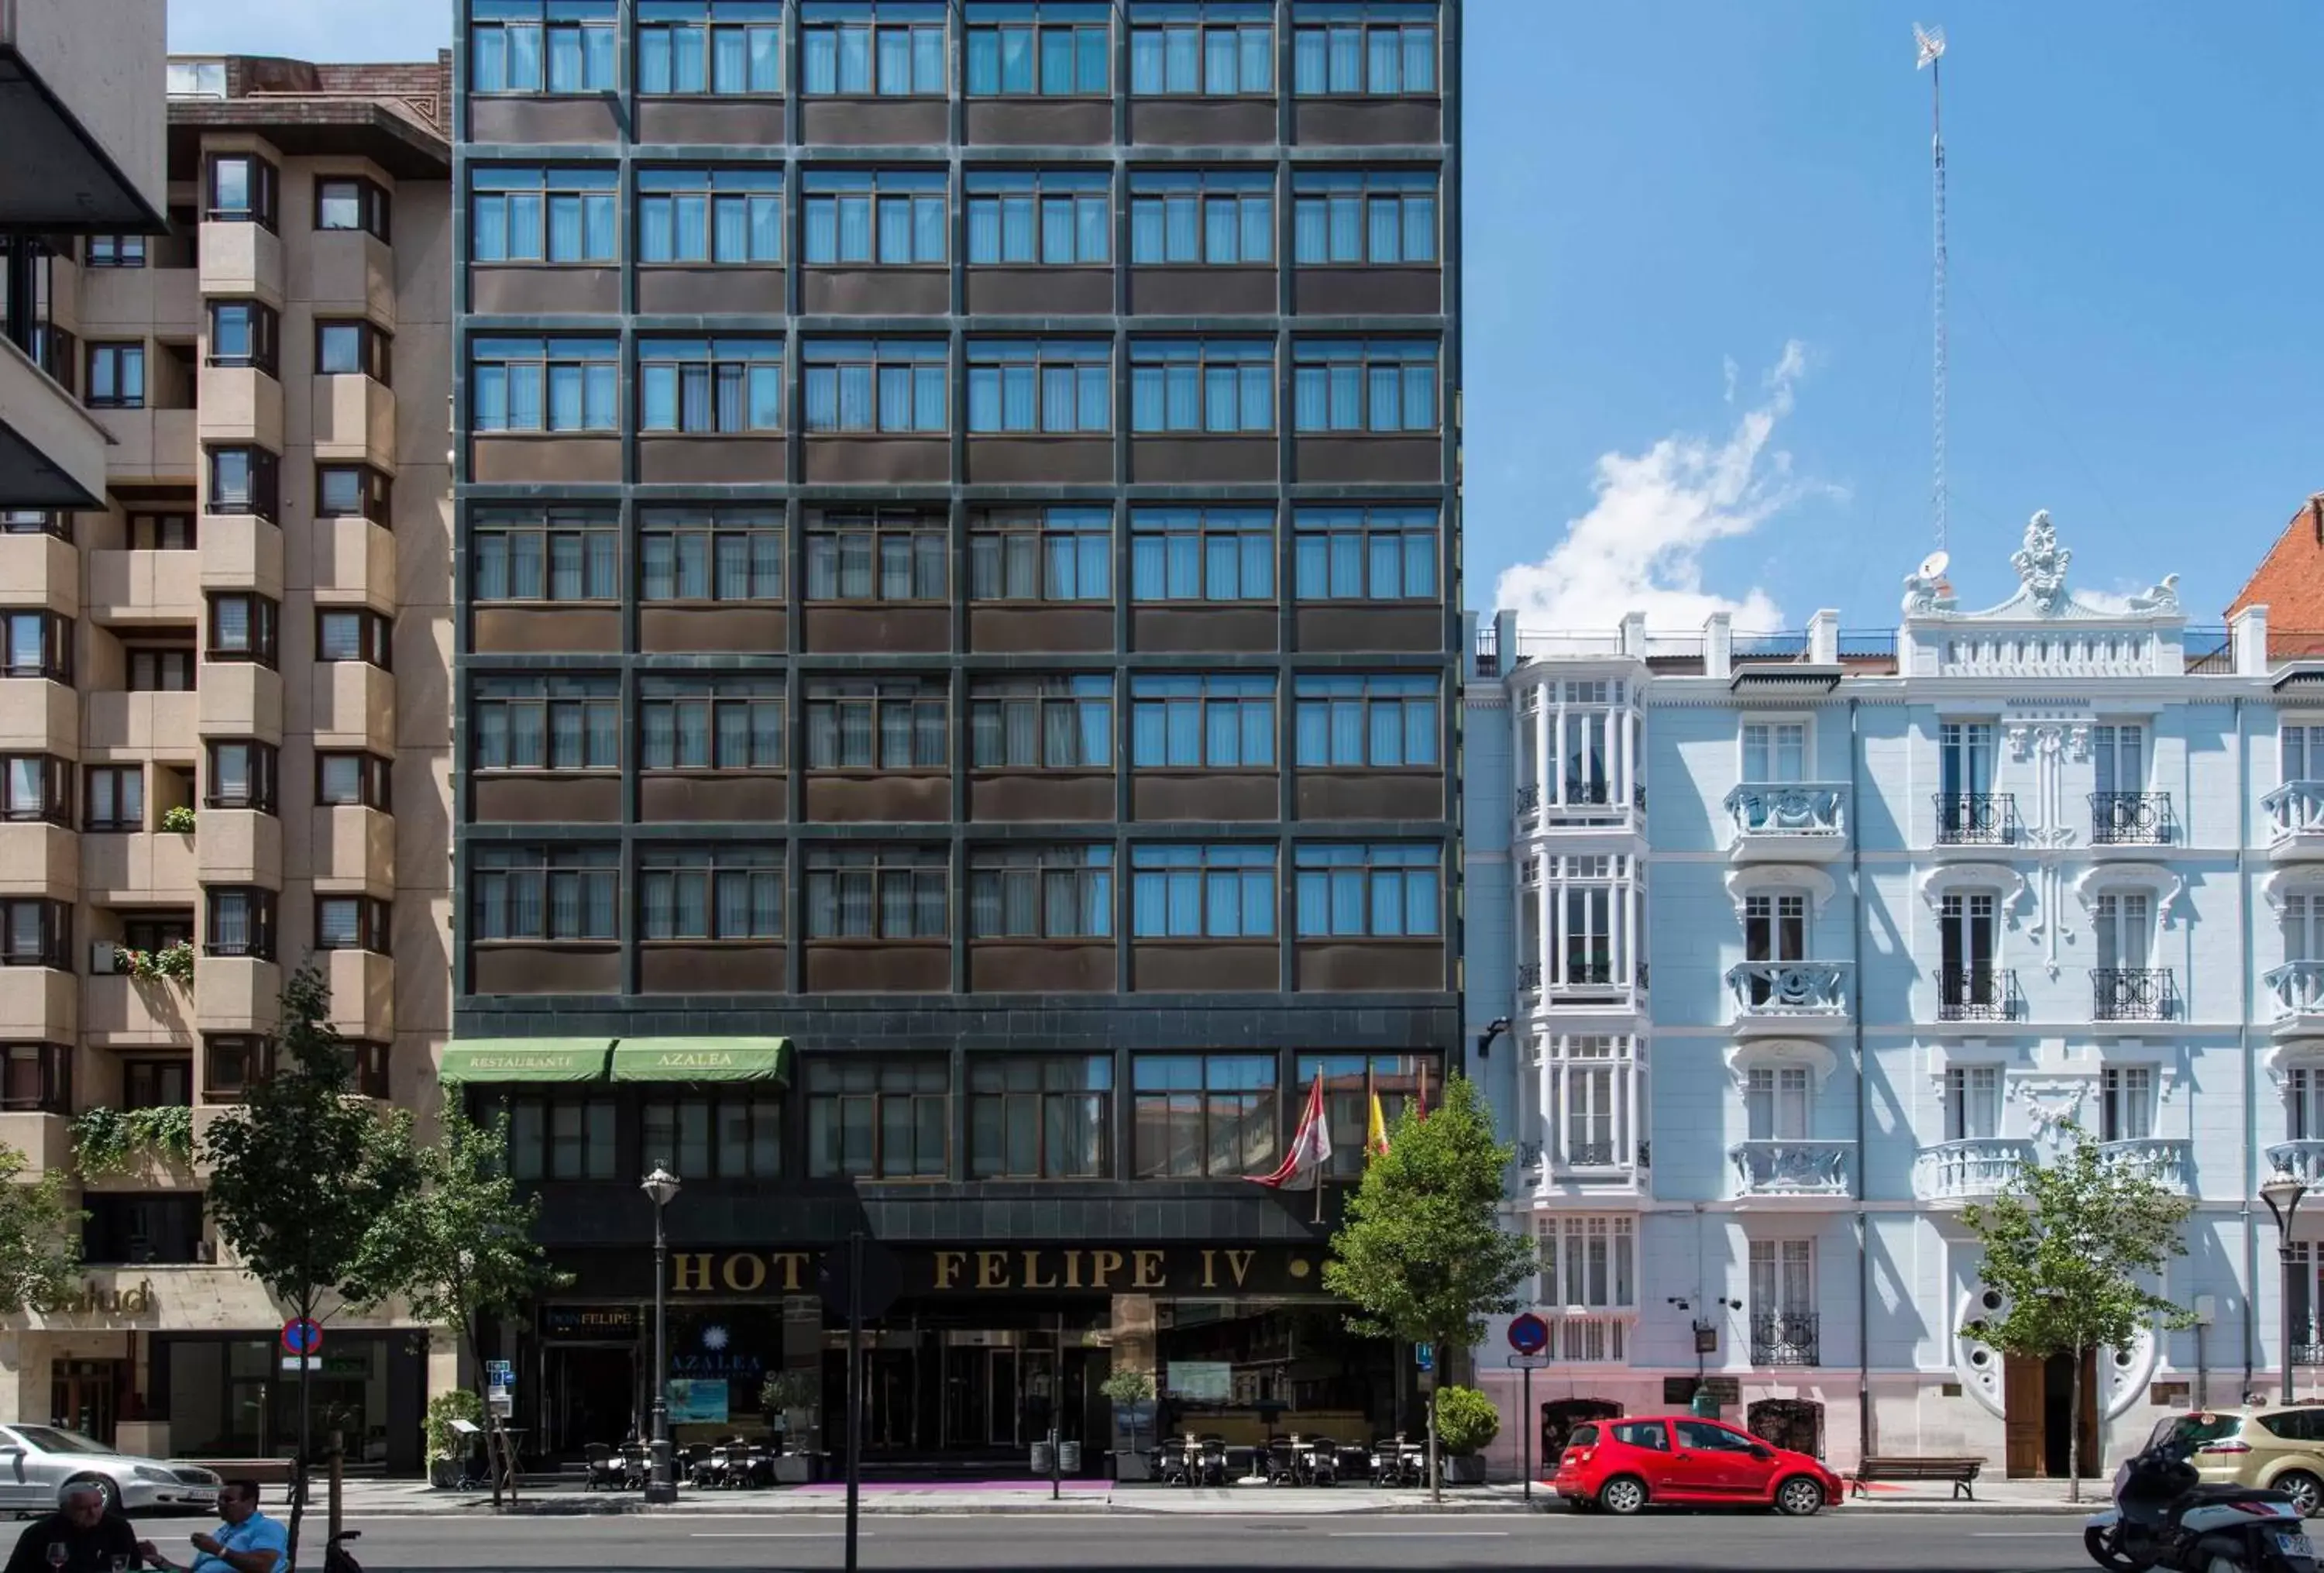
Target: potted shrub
(448, 1449)
(1466, 1424)
(1130, 1391)
(177, 821)
(789, 1399)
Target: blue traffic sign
(303, 1336)
(1529, 1334)
(1424, 1356)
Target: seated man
(248, 1541)
(91, 1536)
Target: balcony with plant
(169, 964)
(112, 1142)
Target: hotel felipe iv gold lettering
(970, 1270)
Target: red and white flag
(1311, 1145)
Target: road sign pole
(1528, 1428)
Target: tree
(2072, 1246)
(459, 1248)
(300, 1175)
(1422, 1252)
(1130, 1390)
(40, 1237)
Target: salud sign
(1529, 1334)
(303, 1336)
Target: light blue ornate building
(1806, 939)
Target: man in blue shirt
(248, 1541)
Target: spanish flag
(1376, 1129)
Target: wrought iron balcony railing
(1977, 818)
(1528, 798)
(2130, 819)
(1979, 993)
(2132, 993)
(1785, 1166)
(1529, 976)
(1783, 1338)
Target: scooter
(2164, 1516)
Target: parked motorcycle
(2164, 1517)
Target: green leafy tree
(1466, 1420)
(1129, 1389)
(300, 1174)
(459, 1248)
(2071, 1245)
(1422, 1253)
(40, 1237)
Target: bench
(1958, 1472)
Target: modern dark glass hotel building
(957, 544)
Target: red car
(1622, 1465)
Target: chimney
(2316, 512)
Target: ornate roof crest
(2041, 564)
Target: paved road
(1886, 1542)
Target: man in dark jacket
(92, 1537)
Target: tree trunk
(306, 1305)
(2074, 1434)
(498, 1461)
(1435, 1466)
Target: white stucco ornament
(2123, 1373)
(2049, 1106)
(2041, 565)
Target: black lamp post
(661, 1186)
(1493, 1029)
(2282, 1193)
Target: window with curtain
(1377, 721)
(39, 645)
(893, 49)
(2300, 752)
(727, 216)
(1972, 1103)
(1217, 892)
(2301, 922)
(37, 1078)
(545, 723)
(1351, 1082)
(1041, 723)
(545, 893)
(711, 554)
(239, 773)
(116, 378)
(1211, 385)
(243, 626)
(352, 202)
(1184, 49)
(710, 46)
(1777, 1102)
(40, 787)
(544, 552)
(244, 480)
(876, 554)
(246, 333)
(1222, 721)
(710, 384)
(1383, 48)
(877, 892)
(1062, 553)
(734, 1136)
(710, 893)
(1588, 1263)
(877, 1117)
(874, 217)
(1202, 554)
(1049, 47)
(1775, 751)
(1048, 217)
(1039, 1116)
(344, 922)
(2126, 1103)
(1364, 385)
(35, 932)
(710, 723)
(1364, 217)
(541, 46)
(544, 384)
(1782, 1288)
(533, 215)
(1588, 1087)
(1378, 892)
(116, 797)
(875, 385)
(1196, 1115)
(878, 724)
(241, 187)
(1040, 893)
(354, 491)
(240, 921)
(355, 634)
(353, 347)
(1055, 385)
(559, 1137)
(1219, 218)
(354, 779)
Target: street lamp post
(661, 1186)
(2282, 1193)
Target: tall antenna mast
(1930, 43)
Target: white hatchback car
(38, 1462)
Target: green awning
(524, 1060)
(757, 1060)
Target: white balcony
(2296, 999)
(1788, 821)
(2303, 1159)
(2295, 820)
(1785, 1168)
(2166, 1162)
(1968, 1171)
(1585, 1337)
(1790, 996)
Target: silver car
(38, 1462)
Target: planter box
(794, 1468)
(1128, 1466)
(1467, 1470)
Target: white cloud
(1640, 548)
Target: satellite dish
(1933, 566)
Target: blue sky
(1697, 302)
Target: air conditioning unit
(101, 953)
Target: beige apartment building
(225, 716)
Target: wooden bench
(1959, 1473)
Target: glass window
(243, 627)
(866, 217)
(712, 554)
(354, 491)
(35, 933)
(36, 787)
(545, 893)
(1052, 217)
(1202, 554)
(545, 723)
(1053, 385)
(735, 1135)
(1062, 553)
(892, 48)
(544, 384)
(710, 46)
(876, 893)
(877, 723)
(351, 348)
(1218, 891)
(116, 376)
(157, 1083)
(351, 202)
(1387, 47)
(560, 1138)
(877, 1117)
(244, 333)
(726, 722)
(532, 214)
(541, 46)
(241, 190)
(876, 555)
(875, 385)
(732, 217)
(355, 634)
(1401, 1082)
(1364, 385)
(1041, 723)
(1216, 385)
(114, 251)
(1202, 1116)
(705, 893)
(1590, 1263)
(1218, 721)
(1218, 217)
(345, 922)
(1189, 49)
(1373, 721)
(519, 552)
(158, 670)
(1040, 893)
(1357, 217)
(1039, 1117)
(240, 774)
(701, 385)
(39, 645)
(232, 1063)
(244, 480)
(1374, 892)
(1052, 48)
(353, 779)
(241, 921)
(116, 797)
